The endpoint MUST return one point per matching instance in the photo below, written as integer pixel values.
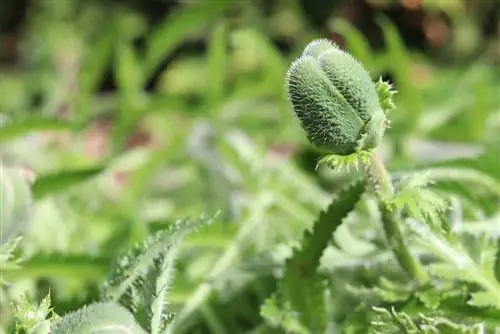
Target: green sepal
(354, 160)
(385, 94)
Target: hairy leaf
(106, 318)
(140, 279)
(394, 322)
(302, 286)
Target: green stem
(384, 190)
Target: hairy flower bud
(335, 99)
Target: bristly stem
(380, 180)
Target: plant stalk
(381, 183)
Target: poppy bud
(335, 99)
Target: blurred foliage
(125, 117)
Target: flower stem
(384, 191)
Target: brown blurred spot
(283, 149)
(139, 138)
(9, 46)
(121, 177)
(96, 138)
(436, 31)
(412, 4)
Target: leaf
(176, 29)
(92, 68)
(49, 184)
(62, 266)
(301, 284)
(9, 260)
(217, 60)
(277, 315)
(106, 318)
(477, 118)
(385, 291)
(16, 204)
(457, 263)
(161, 318)
(20, 128)
(456, 176)
(387, 322)
(140, 279)
(423, 203)
(483, 299)
(129, 77)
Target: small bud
(335, 99)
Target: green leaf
(475, 179)
(179, 26)
(49, 184)
(16, 204)
(105, 318)
(301, 285)
(391, 321)
(457, 263)
(62, 266)
(20, 128)
(9, 260)
(423, 203)
(161, 317)
(146, 268)
(277, 315)
(92, 68)
(483, 299)
(217, 60)
(128, 76)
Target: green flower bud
(335, 99)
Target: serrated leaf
(105, 318)
(140, 279)
(456, 262)
(457, 175)
(387, 322)
(161, 318)
(421, 202)
(301, 285)
(55, 182)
